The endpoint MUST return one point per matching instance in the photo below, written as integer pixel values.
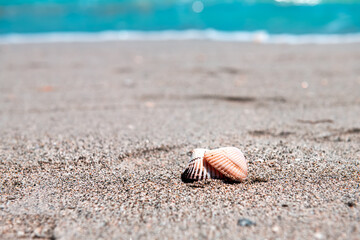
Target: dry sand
(94, 138)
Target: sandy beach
(94, 139)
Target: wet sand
(94, 139)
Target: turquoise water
(273, 17)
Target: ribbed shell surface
(229, 161)
(222, 163)
(199, 169)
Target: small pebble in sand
(275, 229)
(244, 222)
(20, 234)
(350, 204)
(226, 163)
(319, 235)
(259, 161)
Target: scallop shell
(198, 168)
(229, 161)
(223, 163)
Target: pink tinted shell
(229, 161)
(198, 168)
(224, 163)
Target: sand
(94, 138)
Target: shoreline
(261, 37)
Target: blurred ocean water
(273, 17)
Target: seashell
(229, 161)
(198, 168)
(226, 163)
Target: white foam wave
(258, 37)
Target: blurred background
(295, 17)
